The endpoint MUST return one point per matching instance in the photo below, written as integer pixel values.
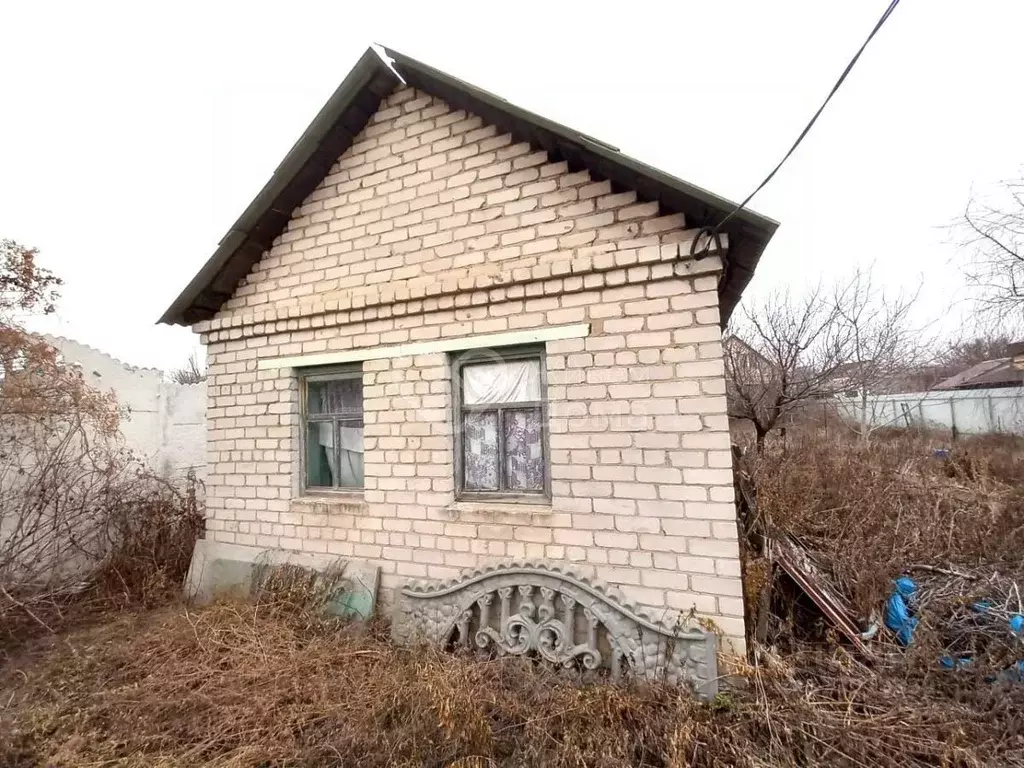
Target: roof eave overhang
(303, 168)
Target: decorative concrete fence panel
(558, 616)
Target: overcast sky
(134, 134)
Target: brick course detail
(433, 226)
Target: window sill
(501, 507)
(331, 502)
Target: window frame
(459, 409)
(315, 374)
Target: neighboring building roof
(737, 347)
(351, 106)
(987, 374)
(1016, 351)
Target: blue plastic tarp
(897, 610)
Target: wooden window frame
(325, 373)
(500, 354)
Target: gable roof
(986, 374)
(737, 349)
(348, 110)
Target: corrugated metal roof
(348, 110)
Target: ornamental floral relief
(556, 616)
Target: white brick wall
(433, 226)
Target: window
(501, 424)
(332, 429)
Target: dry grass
(870, 511)
(271, 684)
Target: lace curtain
(502, 447)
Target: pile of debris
(924, 610)
(976, 618)
(971, 619)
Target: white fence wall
(166, 423)
(970, 411)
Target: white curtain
(350, 473)
(327, 441)
(515, 381)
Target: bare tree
(880, 343)
(961, 354)
(190, 373)
(994, 240)
(852, 339)
(779, 355)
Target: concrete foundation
(219, 569)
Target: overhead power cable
(713, 232)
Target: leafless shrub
(58, 453)
(190, 373)
(781, 354)
(880, 341)
(852, 338)
(84, 529)
(80, 518)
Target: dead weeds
(150, 527)
(268, 684)
(870, 510)
(274, 683)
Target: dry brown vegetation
(149, 528)
(870, 510)
(272, 683)
(103, 665)
(84, 525)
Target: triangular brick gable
(427, 193)
(381, 132)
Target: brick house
(429, 255)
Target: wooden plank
(800, 566)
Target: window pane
(515, 381)
(350, 454)
(334, 454)
(320, 461)
(524, 454)
(341, 396)
(480, 451)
